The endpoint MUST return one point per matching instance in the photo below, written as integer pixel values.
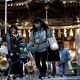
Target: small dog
(32, 71)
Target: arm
(19, 41)
(31, 41)
(49, 33)
(68, 55)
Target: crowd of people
(19, 51)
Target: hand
(30, 57)
(26, 49)
(11, 54)
(21, 49)
(17, 53)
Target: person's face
(13, 31)
(37, 24)
(5, 43)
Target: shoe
(14, 77)
(8, 78)
(61, 75)
(21, 76)
(44, 74)
(40, 76)
(49, 76)
(53, 75)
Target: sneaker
(61, 75)
(40, 76)
(43, 75)
(21, 77)
(8, 78)
(49, 76)
(53, 75)
(14, 77)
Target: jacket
(39, 39)
(64, 55)
(13, 42)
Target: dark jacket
(13, 42)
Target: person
(3, 48)
(25, 55)
(3, 54)
(14, 41)
(64, 58)
(38, 41)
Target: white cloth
(4, 50)
(69, 65)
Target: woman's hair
(13, 26)
(36, 20)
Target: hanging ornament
(77, 31)
(24, 33)
(19, 32)
(53, 32)
(29, 32)
(71, 32)
(65, 33)
(59, 33)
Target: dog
(31, 69)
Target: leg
(44, 66)
(21, 68)
(37, 60)
(61, 69)
(38, 65)
(54, 69)
(10, 64)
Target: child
(25, 55)
(4, 60)
(3, 48)
(64, 58)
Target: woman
(14, 43)
(38, 39)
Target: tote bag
(53, 43)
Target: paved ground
(56, 78)
(46, 78)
